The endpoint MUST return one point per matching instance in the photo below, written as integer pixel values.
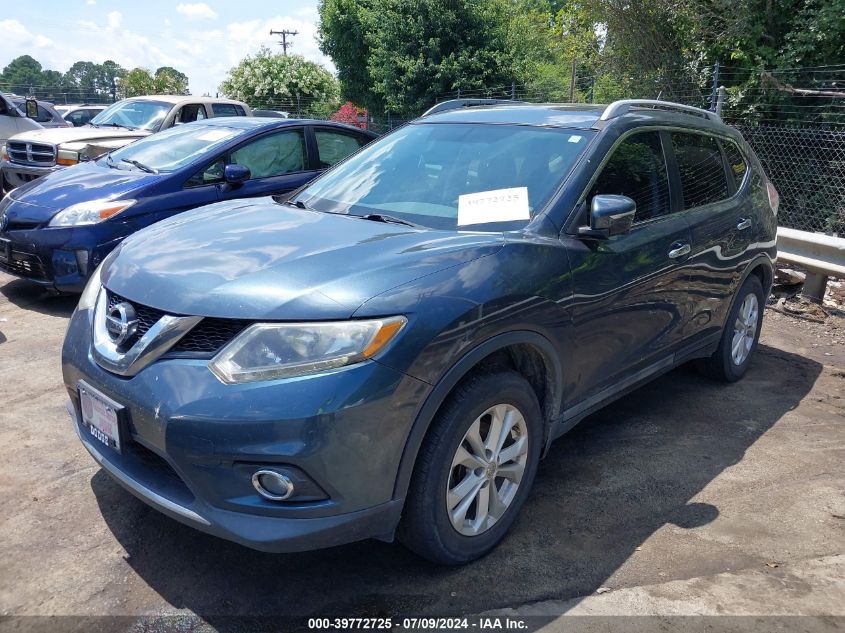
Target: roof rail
(618, 108)
(456, 104)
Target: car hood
(41, 199)
(64, 135)
(263, 260)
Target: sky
(201, 39)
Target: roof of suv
(578, 115)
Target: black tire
(426, 528)
(721, 365)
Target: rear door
(630, 290)
(711, 174)
(278, 163)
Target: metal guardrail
(820, 255)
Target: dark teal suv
(390, 350)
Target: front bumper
(60, 259)
(192, 444)
(16, 175)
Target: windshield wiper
(389, 219)
(125, 127)
(139, 165)
(110, 161)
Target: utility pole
(284, 33)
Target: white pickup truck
(35, 153)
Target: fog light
(272, 485)
(64, 263)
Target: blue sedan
(56, 230)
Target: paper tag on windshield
(499, 205)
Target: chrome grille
(25, 153)
(205, 338)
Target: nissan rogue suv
(390, 350)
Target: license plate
(101, 416)
(5, 250)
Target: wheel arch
(523, 348)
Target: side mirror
(31, 109)
(609, 215)
(236, 174)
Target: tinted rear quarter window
(736, 161)
(703, 178)
(227, 109)
(334, 146)
(637, 169)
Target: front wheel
(474, 470)
(731, 359)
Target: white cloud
(90, 2)
(115, 19)
(196, 11)
(15, 37)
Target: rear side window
(703, 178)
(637, 169)
(227, 109)
(333, 146)
(736, 161)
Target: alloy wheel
(745, 329)
(487, 469)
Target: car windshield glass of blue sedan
(136, 115)
(453, 175)
(172, 149)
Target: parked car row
(35, 153)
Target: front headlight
(67, 157)
(90, 212)
(265, 351)
(88, 299)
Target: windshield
(172, 149)
(136, 115)
(452, 175)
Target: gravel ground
(681, 481)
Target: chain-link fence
(807, 166)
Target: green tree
(401, 55)
(109, 74)
(137, 82)
(343, 29)
(283, 82)
(81, 81)
(168, 80)
(21, 73)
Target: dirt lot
(732, 492)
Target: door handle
(679, 250)
(744, 223)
